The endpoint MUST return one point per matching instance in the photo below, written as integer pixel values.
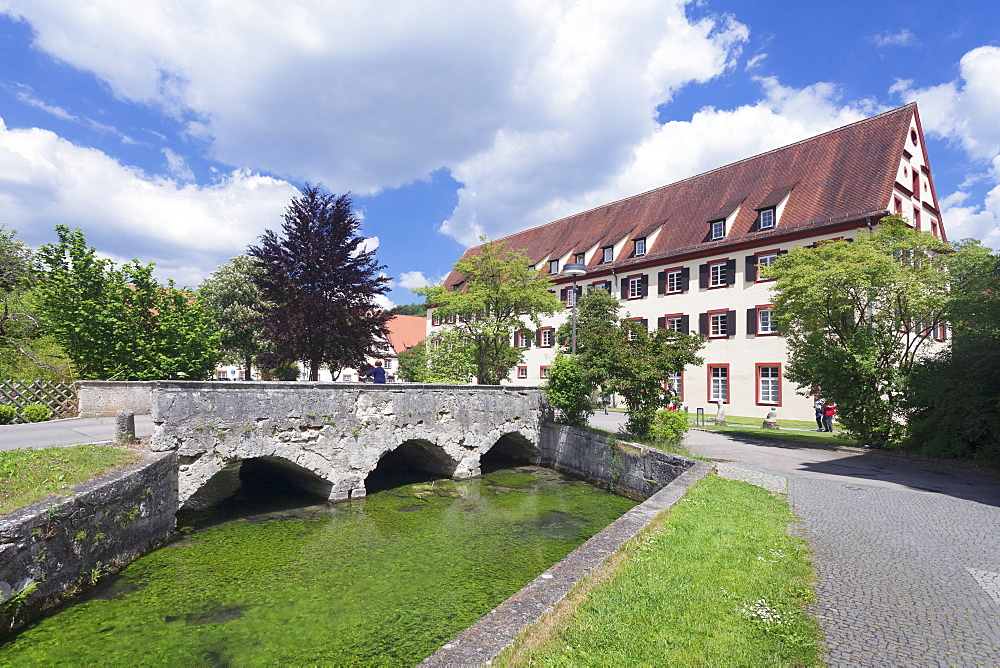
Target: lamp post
(574, 269)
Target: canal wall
(56, 547)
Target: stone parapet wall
(334, 434)
(104, 398)
(628, 468)
(59, 545)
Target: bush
(7, 414)
(568, 391)
(37, 412)
(288, 371)
(669, 427)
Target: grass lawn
(830, 440)
(31, 475)
(756, 422)
(717, 581)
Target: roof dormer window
(607, 254)
(640, 247)
(765, 220)
(718, 229)
(579, 258)
(553, 266)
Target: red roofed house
(685, 256)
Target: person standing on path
(828, 412)
(377, 374)
(818, 407)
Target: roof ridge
(889, 112)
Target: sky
(177, 131)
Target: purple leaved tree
(319, 285)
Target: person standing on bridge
(377, 374)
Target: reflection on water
(276, 578)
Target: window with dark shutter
(703, 324)
(685, 279)
(750, 272)
(685, 324)
(731, 272)
(661, 323)
(751, 321)
(661, 283)
(731, 323)
(703, 276)
(644, 285)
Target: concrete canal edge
(483, 641)
(59, 546)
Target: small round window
(913, 136)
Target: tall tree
(953, 394)
(857, 316)
(499, 290)
(320, 283)
(120, 323)
(623, 357)
(237, 306)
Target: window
(546, 337)
(675, 281)
(941, 332)
(634, 287)
(916, 184)
(543, 372)
(916, 219)
(718, 229)
(769, 384)
(607, 254)
(934, 228)
(522, 339)
(640, 246)
(675, 323)
(718, 324)
(897, 205)
(346, 378)
(579, 258)
(435, 320)
(386, 364)
(675, 381)
(600, 285)
(640, 324)
(717, 275)
(766, 221)
(553, 266)
(765, 322)
(718, 383)
(522, 372)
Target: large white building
(685, 256)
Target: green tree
(499, 290)
(413, 365)
(625, 358)
(954, 394)
(120, 323)
(409, 309)
(25, 352)
(568, 390)
(857, 316)
(237, 308)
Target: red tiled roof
(406, 331)
(844, 174)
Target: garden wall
(104, 398)
(56, 546)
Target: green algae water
(384, 580)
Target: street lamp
(574, 269)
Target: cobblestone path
(907, 555)
(906, 578)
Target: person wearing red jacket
(828, 412)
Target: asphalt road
(74, 431)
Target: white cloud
(411, 280)
(520, 98)
(177, 166)
(46, 180)
(901, 38)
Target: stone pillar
(124, 426)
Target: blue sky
(176, 132)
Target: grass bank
(31, 475)
(717, 580)
(827, 439)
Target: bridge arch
(512, 446)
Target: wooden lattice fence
(60, 397)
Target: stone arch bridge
(330, 436)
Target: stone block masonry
(330, 436)
(55, 547)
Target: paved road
(907, 554)
(74, 431)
